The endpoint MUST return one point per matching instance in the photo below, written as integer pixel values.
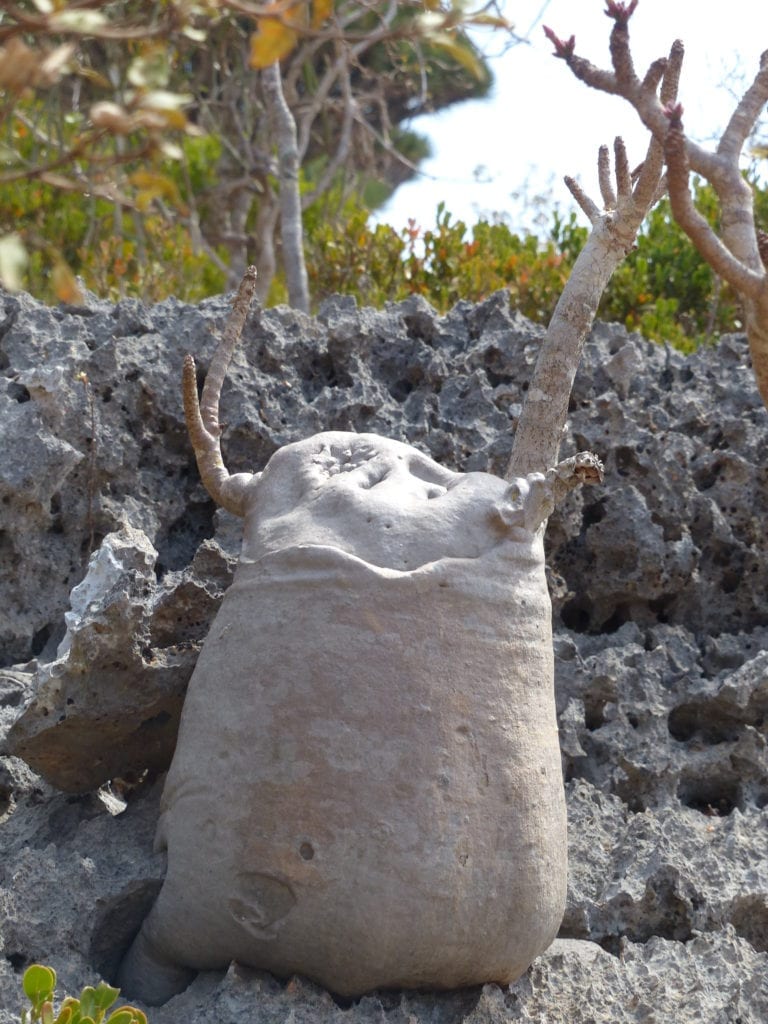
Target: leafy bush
(39, 983)
(664, 289)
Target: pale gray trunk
(290, 199)
(543, 419)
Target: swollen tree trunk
(291, 229)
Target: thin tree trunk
(291, 229)
(545, 411)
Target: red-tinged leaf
(65, 283)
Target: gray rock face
(659, 582)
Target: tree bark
(291, 229)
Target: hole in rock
(40, 639)
(577, 615)
(116, 923)
(621, 614)
(18, 392)
(671, 531)
(627, 462)
(749, 916)
(661, 606)
(306, 851)
(611, 944)
(16, 960)
(707, 722)
(594, 712)
(714, 797)
(593, 513)
(400, 390)
(184, 535)
(705, 477)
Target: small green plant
(91, 1008)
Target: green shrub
(91, 1008)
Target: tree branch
(722, 261)
(203, 416)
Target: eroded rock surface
(660, 587)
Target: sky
(541, 123)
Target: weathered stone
(109, 704)
(660, 589)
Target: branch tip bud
(674, 113)
(564, 49)
(620, 12)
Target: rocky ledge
(113, 563)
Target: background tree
(164, 111)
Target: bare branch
(604, 178)
(542, 421)
(722, 261)
(588, 205)
(746, 114)
(623, 177)
(671, 80)
(621, 56)
(203, 416)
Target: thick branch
(722, 261)
(543, 419)
(746, 114)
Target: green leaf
(39, 981)
(461, 53)
(105, 995)
(122, 1016)
(88, 1001)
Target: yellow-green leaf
(462, 54)
(271, 42)
(39, 981)
(152, 185)
(321, 11)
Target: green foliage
(39, 984)
(116, 250)
(444, 263)
(664, 289)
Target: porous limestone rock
(660, 590)
(108, 705)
